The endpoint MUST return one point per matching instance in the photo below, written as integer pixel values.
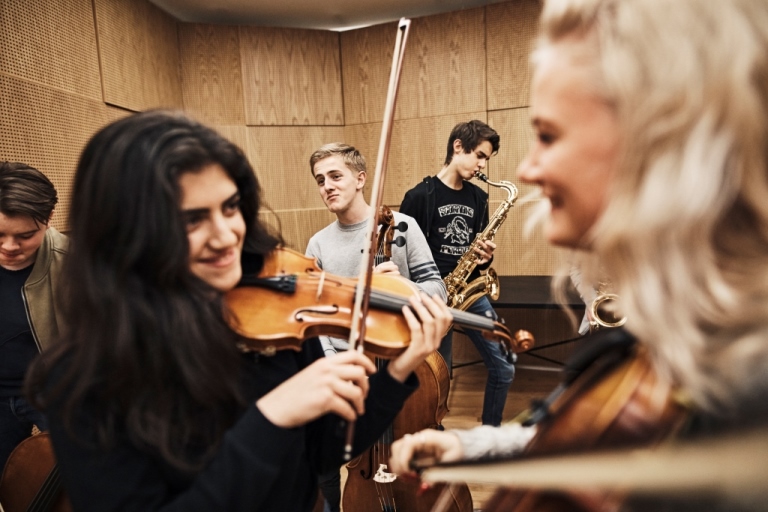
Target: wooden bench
(532, 292)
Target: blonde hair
(351, 157)
(684, 236)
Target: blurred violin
(610, 397)
(292, 299)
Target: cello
(369, 486)
(31, 481)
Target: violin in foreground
(292, 299)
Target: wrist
(398, 372)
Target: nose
(528, 170)
(9, 243)
(223, 234)
(482, 163)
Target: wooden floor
(465, 402)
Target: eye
(232, 206)
(545, 138)
(192, 220)
(320, 182)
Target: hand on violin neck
(336, 384)
(428, 318)
(388, 267)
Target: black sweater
(258, 467)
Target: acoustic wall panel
(518, 253)
(511, 32)
(418, 150)
(237, 134)
(47, 128)
(291, 77)
(366, 58)
(444, 71)
(280, 156)
(139, 55)
(298, 226)
(51, 42)
(211, 77)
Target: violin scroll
(522, 341)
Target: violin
(610, 397)
(292, 299)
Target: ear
(361, 177)
(457, 147)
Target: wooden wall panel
(211, 77)
(238, 134)
(517, 252)
(51, 42)
(511, 32)
(291, 77)
(280, 156)
(444, 67)
(366, 59)
(47, 128)
(298, 226)
(418, 150)
(139, 54)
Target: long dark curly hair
(146, 351)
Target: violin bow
(363, 291)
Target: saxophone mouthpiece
(481, 176)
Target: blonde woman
(651, 150)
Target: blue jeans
(500, 370)
(16, 419)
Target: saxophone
(602, 312)
(461, 295)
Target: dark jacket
(258, 466)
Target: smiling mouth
(220, 261)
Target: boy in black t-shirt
(451, 211)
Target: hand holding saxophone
(484, 250)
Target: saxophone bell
(603, 314)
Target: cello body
(615, 402)
(424, 409)
(30, 480)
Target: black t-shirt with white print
(452, 232)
